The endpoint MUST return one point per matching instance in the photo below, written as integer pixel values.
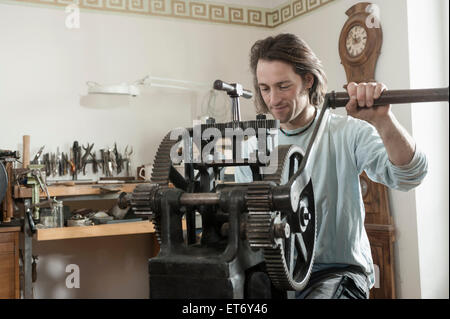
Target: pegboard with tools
(109, 162)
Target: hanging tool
(59, 158)
(84, 159)
(104, 160)
(128, 159)
(118, 158)
(46, 162)
(112, 160)
(65, 163)
(76, 159)
(53, 164)
(38, 154)
(95, 163)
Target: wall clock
(360, 43)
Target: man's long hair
(294, 51)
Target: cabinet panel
(9, 265)
(380, 230)
(381, 243)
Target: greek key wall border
(199, 10)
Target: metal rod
(192, 199)
(340, 99)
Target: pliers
(88, 150)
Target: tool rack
(86, 192)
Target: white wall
(428, 52)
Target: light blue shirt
(348, 147)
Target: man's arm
(399, 145)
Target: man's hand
(399, 144)
(361, 106)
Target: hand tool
(60, 161)
(95, 163)
(76, 159)
(128, 159)
(53, 164)
(84, 159)
(46, 159)
(112, 160)
(38, 154)
(65, 163)
(104, 159)
(118, 158)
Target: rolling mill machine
(257, 239)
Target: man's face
(283, 90)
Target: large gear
(161, 176)
(287, 242)
(143, 197)
(162, 162)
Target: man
(290, 84)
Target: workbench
(74, 193)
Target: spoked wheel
(287, 238)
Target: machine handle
(234, 89)
(340, 99)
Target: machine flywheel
(287, 238)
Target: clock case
(361, 68)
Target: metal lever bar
(340, 99)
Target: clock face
(356, 40)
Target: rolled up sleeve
(371, 156)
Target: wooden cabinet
(380, 230)
(9, 263)
(381, 243)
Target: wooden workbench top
(5, 229)
(76, 190)
(127, 228)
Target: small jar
(58, 214)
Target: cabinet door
(381, 241)
(9, 267)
